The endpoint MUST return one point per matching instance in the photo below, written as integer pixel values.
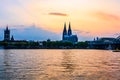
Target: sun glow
(93, 16)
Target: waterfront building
(7, 34)
(107, 40)
(104, 43)
(68, 36)
(12, 38)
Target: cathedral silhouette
(67, 35)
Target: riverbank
(55, 45)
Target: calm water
(59, 65)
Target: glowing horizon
(88, 18)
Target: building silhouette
(12, 38)
(67, 35)
(7, 34)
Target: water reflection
(67, 62)
(59, 65)
(8, 73)
(6, 58)
(17, 66)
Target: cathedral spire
(65, 30)
(69, 30)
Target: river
(43, 64)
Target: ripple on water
(59, 65)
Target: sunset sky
(89, 18)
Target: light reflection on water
(59, 65)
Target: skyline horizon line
(61, 38)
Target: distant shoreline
(53, 48)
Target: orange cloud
(58, 14)
(107, 16)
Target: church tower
(12, 38)
(7, 34)
(64, 31)
(67, 35)
(69, 30)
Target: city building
(7, 34)
(12, 38)
(67, 35)
(106, 39)
(104, 43)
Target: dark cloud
(58, 14)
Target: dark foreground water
(59, 65)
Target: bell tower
(7, 34)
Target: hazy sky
(89, 18)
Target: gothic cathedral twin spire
(69, 32)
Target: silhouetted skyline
(22, 33)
